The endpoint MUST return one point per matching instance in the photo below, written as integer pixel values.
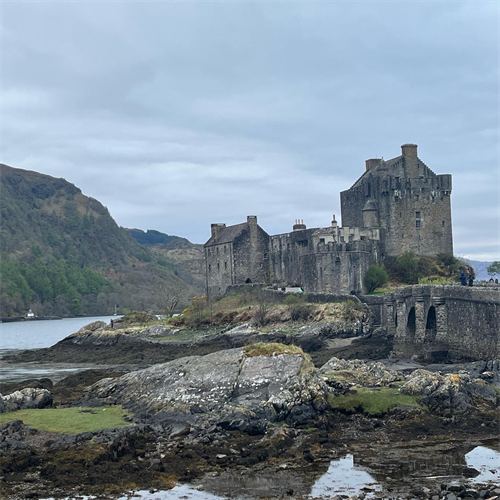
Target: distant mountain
(62, 253)
(186, 256)
(480, 268)
(152, 237)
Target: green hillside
(62, 253)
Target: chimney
(215, 228)
(373, 162)
(334, 221)
(299, 225)
(252, 219)
(410, 160)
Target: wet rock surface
(226, 387)
(25, 399)
(455, 391)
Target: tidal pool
(344, 478)
(487, 462)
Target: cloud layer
(179, 114)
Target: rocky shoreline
(250, 402)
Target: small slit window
(417, 215)
(417, 224)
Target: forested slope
(62, 253)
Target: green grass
(373, 402)
(70, 420)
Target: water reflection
(487, 462)
(343, 477)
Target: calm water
(35, 335)
(44, 333)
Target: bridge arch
(411, 324)
(431, 325)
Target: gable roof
(227, 234)
(383, 165)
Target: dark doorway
(431, 325)
(411, 326)
(248, 280)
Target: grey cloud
(178, 114)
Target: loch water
(37, 334)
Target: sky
(176, 115)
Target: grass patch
(70, 420)
(270, 349)
(373, 402)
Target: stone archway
(431, 325)
(411, 324)
(248, 280)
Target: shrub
(375, 277)
(407, 267)
(350, 312)
(297, 307)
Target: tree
(167, 300)
(494, 268)
(375, 277)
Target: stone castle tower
(405, 198)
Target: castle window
(225, 265)
(351, 238)
(416, 197)
(342, 239)
(403, 236)
(225, 249)
(209, 268)
(218, 266)
(363, 238)
(322, 240)
(442, 223)
(417, 224)
(217, 250)
(417, 215)
(265, 256)
(401, 214)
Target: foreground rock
(455, 391)
(236, 389)
(25, 399)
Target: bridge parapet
(444, 322)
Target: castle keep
(396, 206)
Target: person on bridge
(471, 280)
(463, 279)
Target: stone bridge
(441, 322)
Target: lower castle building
(396, 206)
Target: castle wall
(338, 268)
(219, 268)
(251, 256)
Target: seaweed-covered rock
(455, 391)
(218, 386)
(358, 372)
(24, 399)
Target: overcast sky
(179, 114)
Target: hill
(63, 254)
(188, 257)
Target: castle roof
(383, 165)
(227, 234)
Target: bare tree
(168, 299)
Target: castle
(396, 206)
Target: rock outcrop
(227, 388)
(358, 372)
(25, 399)
(455, 391)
